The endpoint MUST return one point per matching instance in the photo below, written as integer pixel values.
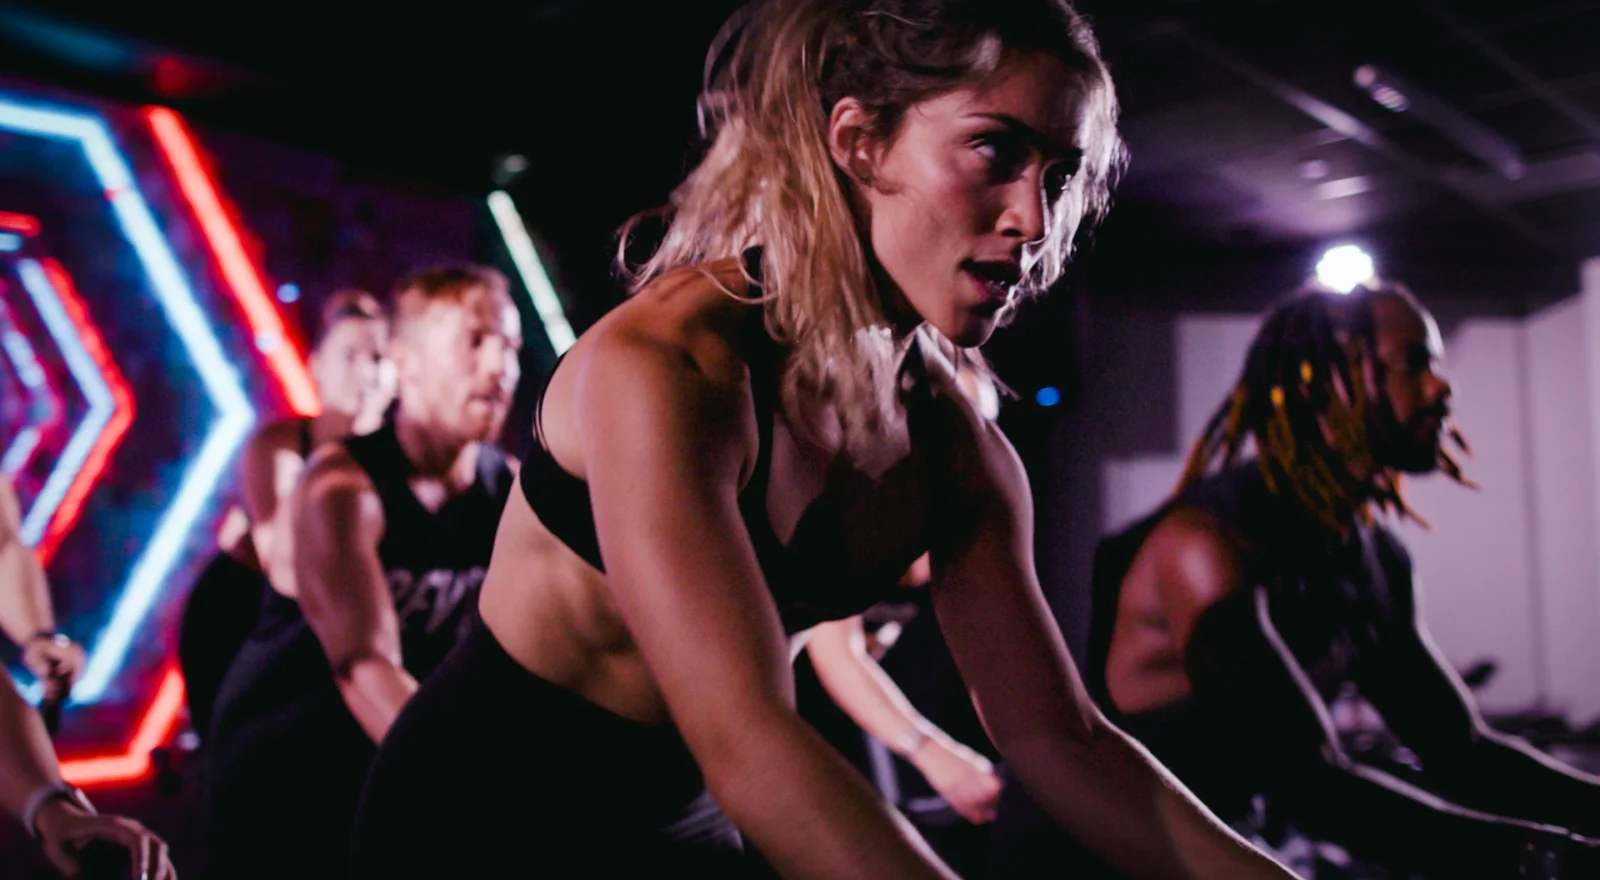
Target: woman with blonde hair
(765, 437)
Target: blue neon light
(20, 450)
(25, 364)
(10, 242)
(23, 359)
(95, 391)
(1048, 396)
(235, 416)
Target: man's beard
(1411, 448)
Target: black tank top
(1331, 600)
(807, 590)
(434, 563)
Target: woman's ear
(849, 141)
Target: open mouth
(995, 280)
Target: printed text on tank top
(426, 599)
(434, 560)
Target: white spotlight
(1344, 267)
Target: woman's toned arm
(31, 791)
(667, 440)
(1090, 777)
(871, 698)
(26, 613)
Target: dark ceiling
(1253, 144)
(1249, 129)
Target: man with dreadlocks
(1227, 622)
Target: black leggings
(491, 771)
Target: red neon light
(58, 406)
(121, 396)
(21, 224)
(153, 730)
(241, 273)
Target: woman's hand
(66, 828)
(961, 776)
(55, 660)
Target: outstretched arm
(26, 614)
(668, 440)
(1090, 777)
(1426, 704)
(1241, 664)
(31, 791)
(24, 597)
(338, 522)
(27, 760)
(871, 698)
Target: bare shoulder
(672, 361)
(696, 313)
(1195, 557)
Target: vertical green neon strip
(545, 302)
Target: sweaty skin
(648, 641)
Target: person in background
(27, 614)
(391, 536)
(58, 815)
(1227, 622)
(349, 362)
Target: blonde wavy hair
(768, 178)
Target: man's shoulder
(1192, 551)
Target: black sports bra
(808, 591)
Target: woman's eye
(1003, 156)
(1058, 178)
